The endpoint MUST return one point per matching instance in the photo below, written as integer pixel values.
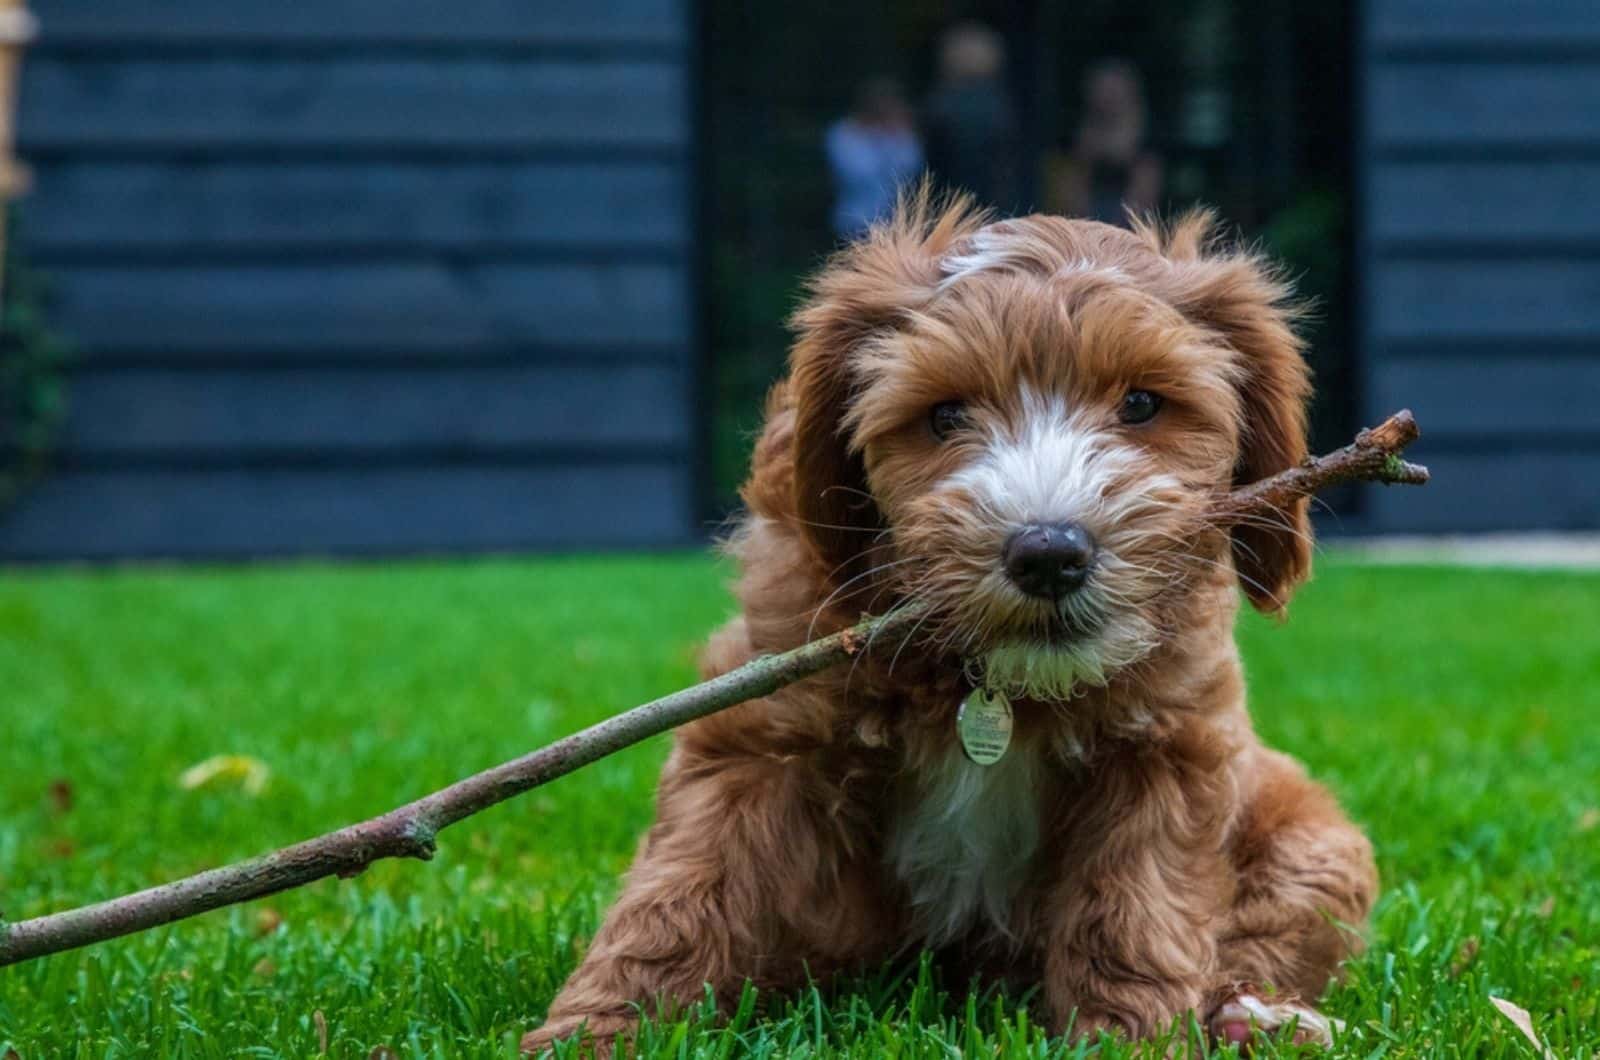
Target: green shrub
(32, 379)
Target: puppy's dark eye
(947, 417)
(1140, 406)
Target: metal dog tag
(984, 724)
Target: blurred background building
(391, 276)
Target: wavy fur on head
(1137, 854)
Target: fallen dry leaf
(321, 1023)
(383, 1052)
(61, 795)
(11, 1054)
(1588, 819)
(265, 968)
(268, 920)
(251, 774)
(1524, 1023)
(1546, 907)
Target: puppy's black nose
(1049, 561)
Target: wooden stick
(410, 831)
(1374, 456)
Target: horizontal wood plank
(1476, 203)
(1486, 397)
(1484, 104)
(87, 106)
(426, 509)
(1484, 22)
(207, 207)
(78, 23)
(257, 415)
(1520, 489)
(363, 276)
(368, 310)
(1484, 300)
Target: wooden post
(17, 28)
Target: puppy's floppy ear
(1243, 298)
(864, 289)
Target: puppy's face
(1042, 413)
(1044, 450)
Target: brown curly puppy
(1022, 425)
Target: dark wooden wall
(365, 276)
(1481, 256)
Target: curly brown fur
(1137, 853)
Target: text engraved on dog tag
(984, 724)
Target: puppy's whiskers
(1247, 579)
(868, 573)
(909, 599)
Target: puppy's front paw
(598, 1035)
(1135, 1010)
(1242, 1015)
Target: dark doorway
(1249, 110)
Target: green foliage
(749, 333)
(1453, 711)
(32, 384)
(1308, 237)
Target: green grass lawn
(1454, 712)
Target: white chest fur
(963, 839)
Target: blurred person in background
(969, 122)
(1110, 167)
(872, 152)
